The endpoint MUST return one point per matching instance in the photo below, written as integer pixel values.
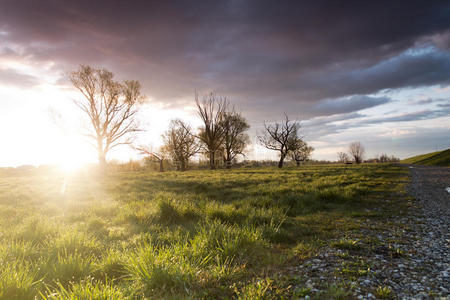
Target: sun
(74, 154)
(70, 166)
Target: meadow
(180, 235)
(439, 158)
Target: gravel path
(409, 258)
(428, 186)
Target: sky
(371, 71)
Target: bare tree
(386, 158)
(302, 152)
(282, 137)
(159, 156)
(110, 105)
(235, 139)
(343, 157)
(356, 150)
(211, 110)
(180, 143)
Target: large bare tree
(356, 150)
(110, 106)
(211, 110)
(235, 140)
(282, 137)
(180, 143)
(302, 152)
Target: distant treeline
(148, 164)
(202, 164)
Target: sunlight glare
(74, 154)
(69, 166)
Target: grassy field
(195, 234)
(439, 158)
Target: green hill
(440, 158)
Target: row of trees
(224, 134)
(356, 153)
(111, 107)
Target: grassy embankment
(439, 158)
(199, 234)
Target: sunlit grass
(196, 234)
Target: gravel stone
(415, 265)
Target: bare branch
(282, 137)
(180, 143)
(109, 105)
(356, 150)
(211, 111)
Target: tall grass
(18, 281)
(197, 234)
(87, 289)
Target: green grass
(181, 235)
(440, 158)
(384, 292)
(347, 244)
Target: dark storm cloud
(270, 56)
(405, 70)
(350, 104)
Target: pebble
(414, 259)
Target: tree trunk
(182, 165)
(212, 160)
(280, 163)
(298, 163)
(161, 166)
(228, 160)
(101, 155)
(102, 162)
(228, 163)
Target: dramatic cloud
(406, 70)
(346, 105)
(340, 65)
(257, 52)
